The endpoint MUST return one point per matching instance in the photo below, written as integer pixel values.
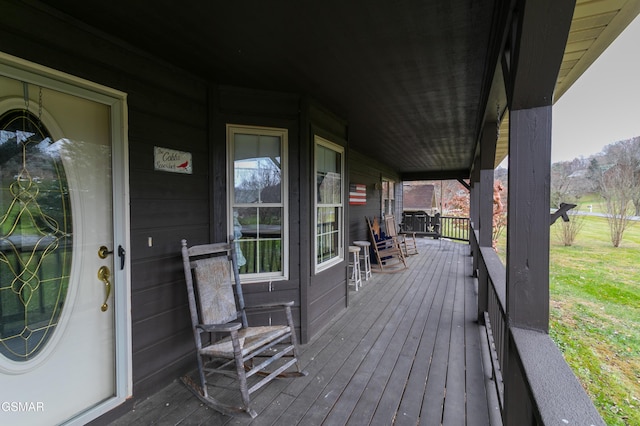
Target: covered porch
(405, 91)
(408, 350)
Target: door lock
(103, 252)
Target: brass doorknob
(103, 275)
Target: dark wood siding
(363, 169)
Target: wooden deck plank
(354, 322)
(389, 382)
(455, 393)
(154, 408)
(367, 385)
(477, 405)
(411, 404)
(433, 399)
(393, 392)
(335, 388)
(406, 351)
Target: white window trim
(319, 267)
(390, 184)
(232, 129)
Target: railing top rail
(497, 274)
(558, 396)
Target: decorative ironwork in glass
(35, 235)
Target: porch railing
(423, 224)
(541, 388)
(455, 228)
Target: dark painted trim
(539, 38)
(441, 175)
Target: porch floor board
(406, 351)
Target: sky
(603, 105)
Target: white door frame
(28, 72)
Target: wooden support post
(536, 44)
(474, 196)
(528, 224)
(485, 208)
(487, 161)
(527, 246)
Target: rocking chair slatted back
(406, 240)
(201, 260)
(388, 254)
(216, 301)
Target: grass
(595, 201)
(595, 316)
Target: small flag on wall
(357, 194)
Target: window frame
(282, 133)
(388, 200)
(322, 266)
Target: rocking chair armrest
(220, 328)
(271, 305)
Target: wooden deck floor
(407, 351)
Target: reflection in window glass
(388, 197)
(258, 195)
(329, 203)
(36, 235)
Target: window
(388, 196)
(329, 206)
(258, 201)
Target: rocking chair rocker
(231, 348)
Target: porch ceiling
(412, 78)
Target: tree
(618, 186)
(617, 177)
(499, 212)
(568, 231)
(568, 181)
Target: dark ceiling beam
(532, 59)
(465, 184)
(436, 175)
(500, 29)
(494, 97)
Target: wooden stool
(367, 260)
(355, 266)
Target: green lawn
(595, 201)
(595, 315)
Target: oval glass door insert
(35, 236)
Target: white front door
(64, 321)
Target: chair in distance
(407, 240)
(388, 253)
(226, 346)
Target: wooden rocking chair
(407, 240)
(230, 348)
(388, 253)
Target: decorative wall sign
(169, 160)
(357, 194)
